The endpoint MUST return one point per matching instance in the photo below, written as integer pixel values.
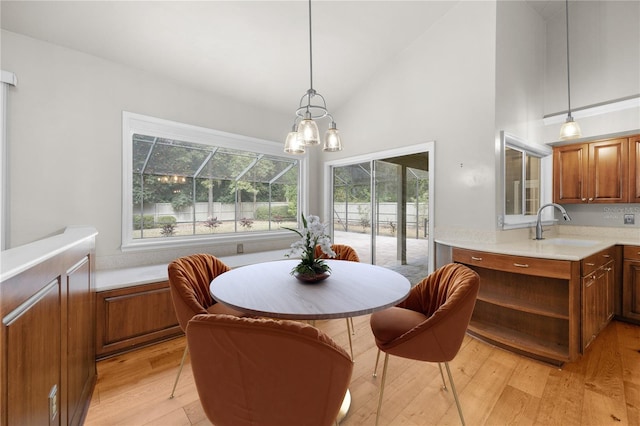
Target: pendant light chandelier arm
(315, 110)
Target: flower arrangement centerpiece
(313, 233)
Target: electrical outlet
(240, 248)
(629, 219)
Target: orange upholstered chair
(189, 279)
(430, 324)
(258, 371)
(343, 252)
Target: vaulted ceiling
(253, 51)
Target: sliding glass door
(381, 208)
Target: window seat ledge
(110, 279)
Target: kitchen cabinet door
(570, 168)
(608, 171)
(590, 309)
(631, 284)
(634, 169)
(595, 172)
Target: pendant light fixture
(312, 107)
(570, 129)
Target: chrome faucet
(539, 220)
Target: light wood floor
(496, 387)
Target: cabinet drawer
(632, 252)
(593, 262)
(516, 264)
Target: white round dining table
(268, 289)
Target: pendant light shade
(332, 140)
(308, 130)
(312, 107)
(293, 144)
(570, 129)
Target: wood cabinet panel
(631, 284)
(131, 317)
(528, 305)
(516, 264)
(80, 338)
(46, 339)
(570, 168)
(591, 263)
(598, 302)
(634, 169)
(32, 359)
(608, 171)
(595, 172)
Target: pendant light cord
(568, 69)
(310, 51)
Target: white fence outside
(347, 215)
(203, 211)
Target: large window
(185, 184)
(523, 180)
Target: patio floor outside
(416, 267)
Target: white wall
(65, 140)
(441, 88)
(604, 61)
(520, 59)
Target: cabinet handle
(608, 269)
(584, 199)
(590, 199)
(476, 258)
(521, 265)
(606, 256)
(590, 264)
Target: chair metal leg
(444, 384)
(353, 329)
(384, 377)
(350, 343)
(455, 394)
(184, 356)
(375, 369)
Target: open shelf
(533, 294)
(522, 342)
(519, 304)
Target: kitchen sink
(570, 242)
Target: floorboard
(496, 387)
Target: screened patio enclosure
(192, 188)
(381, 208)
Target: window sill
(203, 240)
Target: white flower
(312, 234)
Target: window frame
(543, 152)
(133, 123)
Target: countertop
(560, 247)
(19, 259)
(118, 278)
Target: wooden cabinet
(548, 309)
(634, 169)
(631, 284)
(595, 172)
(528, 305)
(598, 293)
(47, 306)
(135, 316)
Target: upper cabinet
(595, 172)
(634, 169)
